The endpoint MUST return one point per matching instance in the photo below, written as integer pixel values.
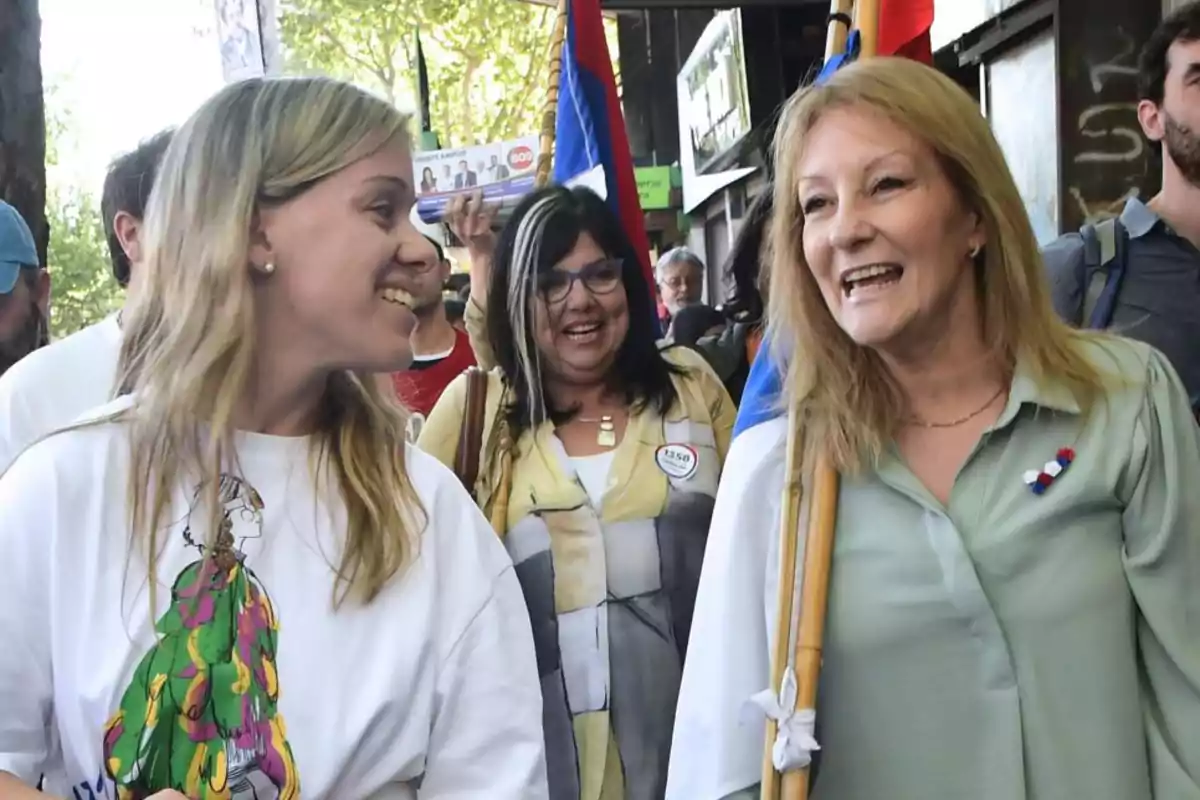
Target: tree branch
(499, 127)
(351, 58)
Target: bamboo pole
(866, 19)
(820, 524)
(498, 514)
(558, 39)
(814, 596)
(835, 40)
(789, 523)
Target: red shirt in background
(420, 386)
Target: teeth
(399, 296)
(852, 278)
(582, 329)
(865, 273)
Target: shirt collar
(1137, 218)
(1042, 391)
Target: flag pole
(498, 513)
(819, 516)
(839, 27)
(558, 40)
(814, 595)
(427, 135)
(866, 20)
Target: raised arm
(473, 221)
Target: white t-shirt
(430, 691)
(52, 386)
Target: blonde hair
(190, 327)
(845, 395)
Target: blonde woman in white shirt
(238, 581)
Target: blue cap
(17, 250)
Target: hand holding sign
(471, 220)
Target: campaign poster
(503, 171)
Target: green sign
(428, 140)
(654, 187)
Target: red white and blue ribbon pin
(1040, 480)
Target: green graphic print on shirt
(200, 713)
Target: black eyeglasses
(601, 277)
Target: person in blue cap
(24, 290)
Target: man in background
(496, 171)
(24, 291)
(1146, 283)
(679, 274)
(441, 352)
(465, 177)
(54, 386)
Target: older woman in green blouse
(1014, 607)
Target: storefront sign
(654, 187)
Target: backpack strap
(470, 438)
(1104, 247)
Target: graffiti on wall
(1111, 156)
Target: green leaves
(488, 59)
(83, 290)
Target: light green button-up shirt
(1010, 646)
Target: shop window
(1022, 108)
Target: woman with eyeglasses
(599, 464)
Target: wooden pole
(835, 40)
(866, 20)
(558, 40)
(820, 526)
(498, 513)
(814, 596)
(789, 524)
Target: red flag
(904, 29)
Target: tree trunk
(23, 116)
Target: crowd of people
(292, 524)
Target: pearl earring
(268, 267)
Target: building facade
(1059, 89)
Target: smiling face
(579, 332)
(345, 254)
(885, 234)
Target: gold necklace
(606, 435)
(960, 420)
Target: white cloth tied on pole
(795, 737)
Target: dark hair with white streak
(543, 230)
